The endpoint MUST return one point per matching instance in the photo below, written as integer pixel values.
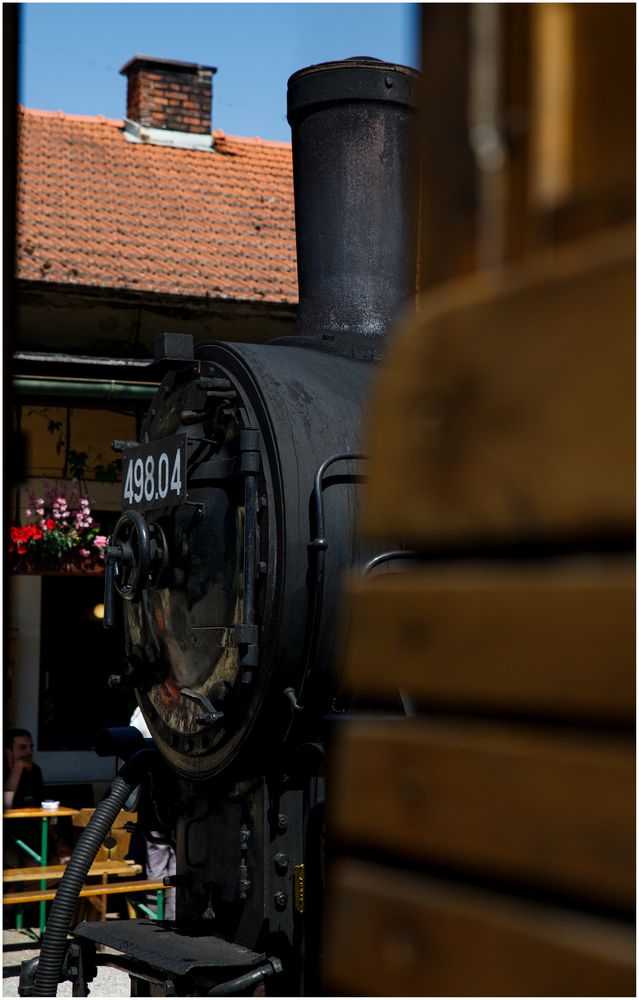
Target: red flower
(21, 536)
(50, 524)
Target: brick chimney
(168, 102)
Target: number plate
(154, 474)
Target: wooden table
(44, 815)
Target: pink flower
(84, 552)
(100, 541)
(28, 512)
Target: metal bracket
(250, 449)
(123, 445)
(244, 882)
(289, 692)
(388, 557)
(210, 715)
(247, 632)
(28, 970)
(80, 967)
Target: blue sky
(71, 54)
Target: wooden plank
(392, 934)
(449, 174)
(553, 104)
(36, 872)
(111, 889)
(549, 811)
(604, 108)
(506, 410)
(583, 102)
(517, 77)
(551, 639)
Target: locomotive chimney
(355, 173)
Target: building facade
(126, 229)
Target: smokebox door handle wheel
(131, 555)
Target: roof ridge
(65, 115)
(119, 123)
(253, 140)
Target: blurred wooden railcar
(485, 846)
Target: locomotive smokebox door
(186, 557)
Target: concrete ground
(16, 947)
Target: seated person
(24, 788)
(23, 781)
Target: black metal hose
(54, 940)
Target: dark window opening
(77, 657)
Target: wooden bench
(49, 872)
(95, 893)
(112, 888)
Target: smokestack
(355, 174)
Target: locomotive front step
(173, 960)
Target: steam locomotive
(240, 516)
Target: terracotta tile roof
(97, 210)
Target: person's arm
(14, 775)
(12, 782)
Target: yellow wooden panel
(551, 639)
(449, 184)
(552, 110)
(550, 811)
(506, 410)
(392, 934)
